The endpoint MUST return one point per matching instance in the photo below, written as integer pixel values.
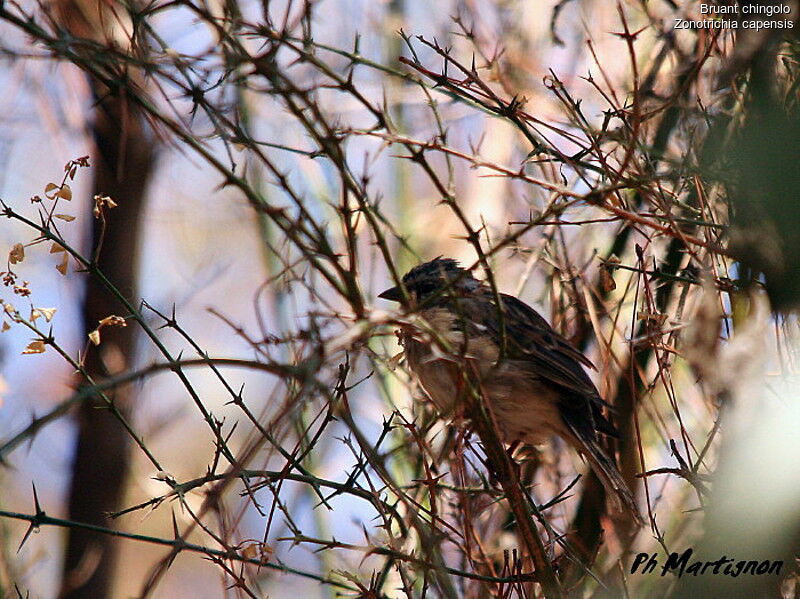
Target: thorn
(35, 521)
(36, 505)
(179, 542)
(176, 532)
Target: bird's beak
(393, 294)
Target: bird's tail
(610, 476)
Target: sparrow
(535, 386)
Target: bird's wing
(532, 342)
(534, 345)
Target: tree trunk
(122, 164)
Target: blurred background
(270, 167)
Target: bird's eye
(424, 288)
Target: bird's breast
(439, 353)
(443, 359)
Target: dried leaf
(67, 217)
(56, 247)
(5, 327)
(48, 313)
(51, 190)
(94, 336)
(100, 203)
(250, 551)
(607, 282)
(62, 267)
(17, 253)
(35, 347)
(113, 321)
(257, 550)
(65, 192)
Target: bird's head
(433, 277)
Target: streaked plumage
(537, 390)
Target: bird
(534, 383)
